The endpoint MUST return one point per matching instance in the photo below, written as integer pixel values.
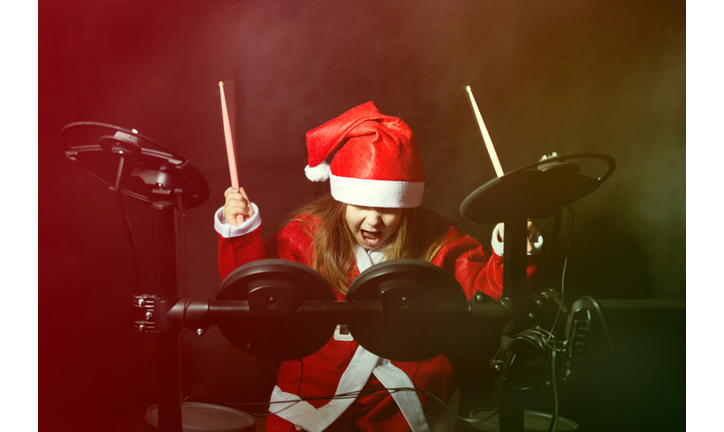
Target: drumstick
(229, 146)
(489, 144)
(486, 136)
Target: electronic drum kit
(281, 310)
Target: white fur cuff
(227, 230)
(536, 240)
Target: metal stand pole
(167, 340)
(515, 259)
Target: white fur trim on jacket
(363, 364)
(377, 193)
(302, 413)
(227, 230)
(393, 377)
(536, 240)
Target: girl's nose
(374, 218)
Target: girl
(372, 215)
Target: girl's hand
(237, 203)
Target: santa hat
(377, 163)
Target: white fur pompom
(319, 173)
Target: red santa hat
(377, 163)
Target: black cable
(178, 408)
(348, 395)
(269, 413)
(554, 235)
(563, 275)
(553, 427)
(301, 376)
(536, 336)
(415, 374)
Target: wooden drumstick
(489, 144)
(229, 146)
(486, 136)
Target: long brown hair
(417, 237)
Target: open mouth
(371, 238)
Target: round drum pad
(413, 324)
(272, 328)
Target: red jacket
(462, 257)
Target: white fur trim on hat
(318, 173)
(377, 193)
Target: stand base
(533, 421)
(206, 417)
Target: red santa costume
(377, 164)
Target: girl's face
(371, 226)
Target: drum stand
(535, 191)
(166, 337)
(136, 166)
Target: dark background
(562, 75)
